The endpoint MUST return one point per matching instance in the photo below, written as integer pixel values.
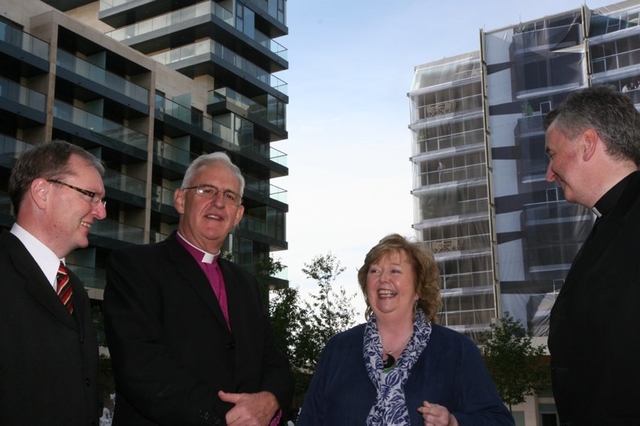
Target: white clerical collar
(206, 257)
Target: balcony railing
(11, 147)
(90, 277)
(15, 92)
(266, 189)
(206, 8)
(229, 56)
(162, 195)
(109, 228)
(108, 4)
(171, 152)
(101, 76)
(261, 226)
(454, 174)
(273, 113)
(24, 41)
(216, 128)
(124, 183)
(99, 125)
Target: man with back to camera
(189, 335)
(49, 349)
(593, 143)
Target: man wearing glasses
(49, 349)
(188, 332)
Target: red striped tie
(64, 287)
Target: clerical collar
(197, 253)
(608, 201)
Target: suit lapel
(192, 275)
(606, 234)
(36, 283)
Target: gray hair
(610, 113)
(210, 159)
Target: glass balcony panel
(11, 147)
(90, 277)
(210, 46)
(99, 75)
(220, 127)
(171, 152)
(109, 228)
(15, 92)
(24, 41)
(128, 184)
(99, 125)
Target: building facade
(147, 86)
(451, 189)
(503, 236)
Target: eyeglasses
(95, 198)
(210, 191)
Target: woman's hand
(436, 415)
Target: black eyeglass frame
(229, 197)
(95, 198)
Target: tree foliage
(517, 367)
(302, 327)
(330, 309)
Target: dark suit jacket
(594, 336)
(170, 346)
(48, 358)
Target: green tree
(288, 317)
(330, 309)
(303, 327)
(517, 367)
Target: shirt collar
(607, 202)
(198, 254)
(43, 255)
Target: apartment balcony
(185, 121)
(549, 37)
(25, 104)
(112, 234)
(203, 20)
(264, 192)
(171, 158)
(20, 50)
(118, 13)
(208, 57)
(83, 74)
(99, 130)
(90, 277)
(66, 5)
(124, 188)
(447, 176)
(623, 64)
(264, 229)
(162, 200)
(266, 110)
(10, 149)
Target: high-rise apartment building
(450, 186)
(504, 237)
(147, 86)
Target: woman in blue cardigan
(399, 368)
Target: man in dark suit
(593, 142)
(49, 349)
(189, 335)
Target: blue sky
(350, 67)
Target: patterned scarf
(390, 407)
